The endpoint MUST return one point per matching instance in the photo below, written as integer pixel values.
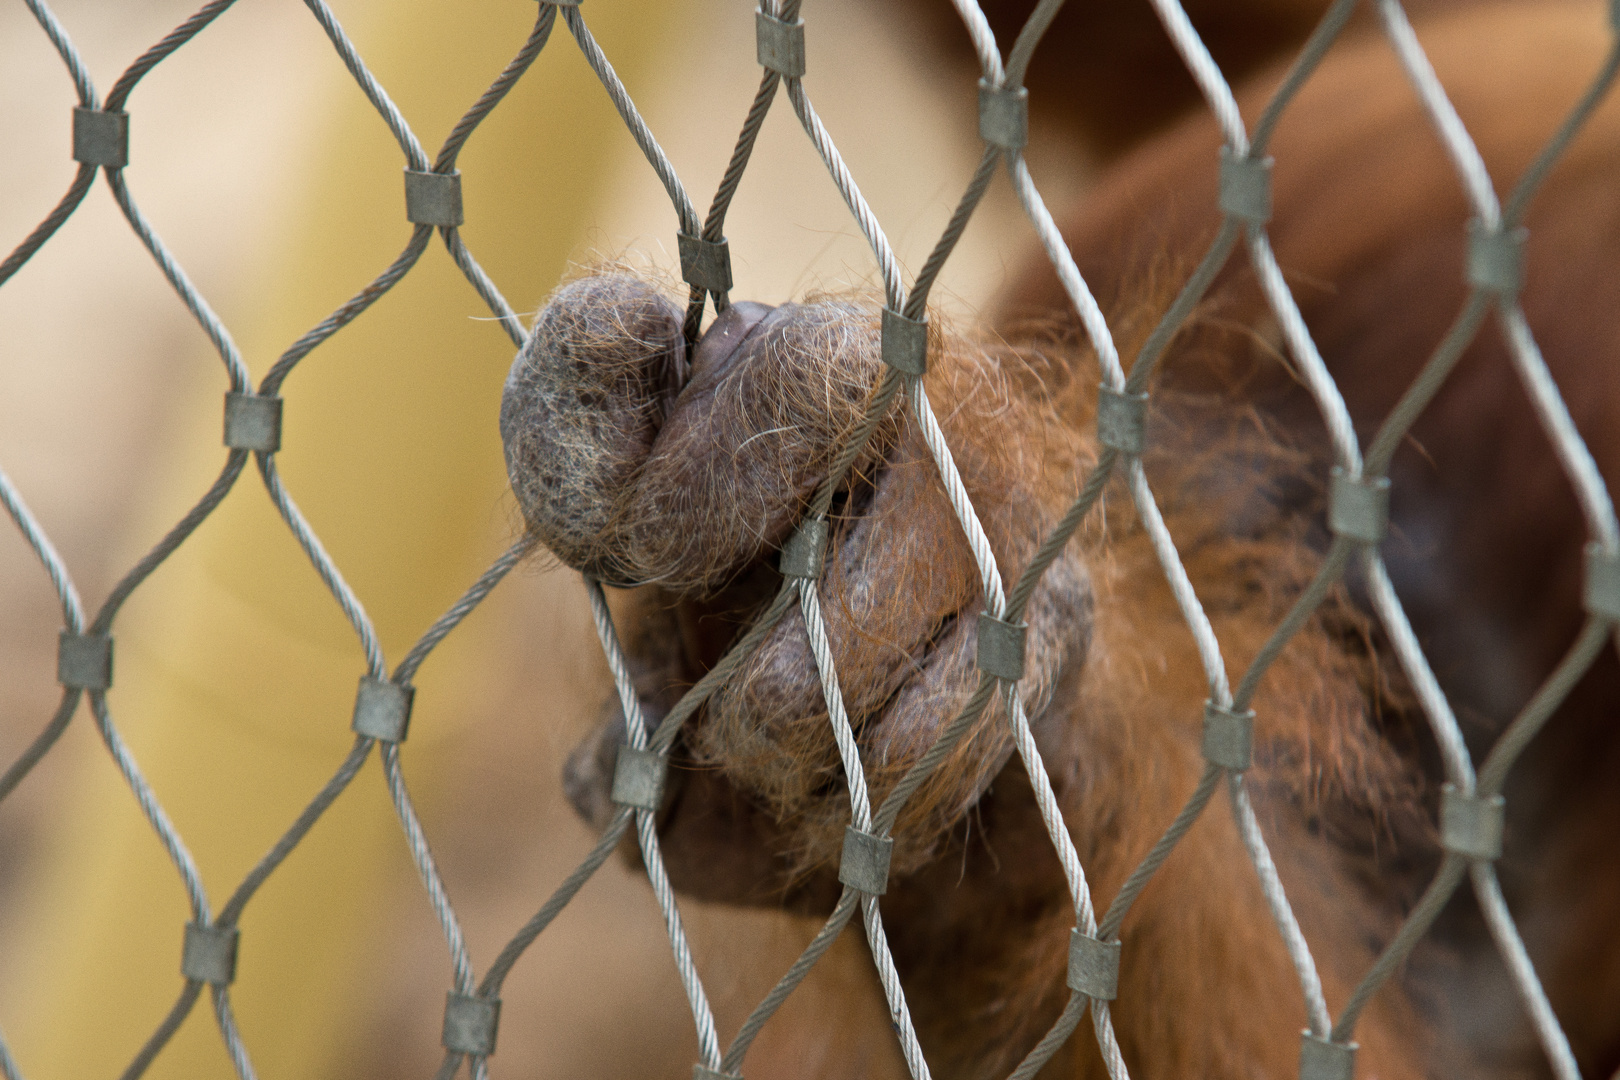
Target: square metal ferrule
(210, 953)
(382, 709)
(864, 865)
(253, 422)
(101, 137)
(779, 45)
(1471, 825)
(84, 661)
(705, 264)
(638, 778)
(1245, 191)
(1001, 647)
(905, 343)
(1093, 966)
(433, 198)
(1601, 590)
(1496, 258)
(1121, 419)
(1228, 737)
(1004, 115)
(805, 552)
(1358, 509)
(470, 1023)
(1321, 1059)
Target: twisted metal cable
(235, 369)
(485, 286)
(233, 1038)
(1299, 952)
(67, 594)
(369, 85)
(995, 600)
(231, 912)
(8, 1065)
(1205, 72)
(343, 316)
(86, 174)
(1312, 368)
(1493, 905)
(1593, 495)
(82, 83)
(1459, 147)
(427, 867)
(119, 94)
(984, 40)
(1074, 286)
(1029, 36)
(632, 120)
(1181, 587)
(325, 567)
(1595, 502)
(151, 809)
(1051, 813)
(171, 541)
(636, 732)
(1596, 507)
(235, 461)
(861, 818)
(545, 18)
(894, 291)
(165, 1031)
(1459, 767)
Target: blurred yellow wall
(235, 668)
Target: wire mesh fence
(1472, 808)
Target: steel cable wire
(1553, 415)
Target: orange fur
(977, 911)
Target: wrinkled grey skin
(632, 477)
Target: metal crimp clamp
(253, 422)
(779, 44)
(805, 552)
(470, 1023)
(101, 137)
(1245, 191)
(905, 343)
(433, 198)
(84, 661)
(209, 954)
(705, 264)
(1228, 737)
(1496, 258)
(1004, 115)
(382, 709)
(1358, 509)
(1322, 1059)
(864, 865)
(1471, 825)
(638, 778)
(703, 1072)
(1093, 966)
(1001, 647)
(1121, 419)
(1600, 593)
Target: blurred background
(277, 187)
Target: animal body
(681, 469)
